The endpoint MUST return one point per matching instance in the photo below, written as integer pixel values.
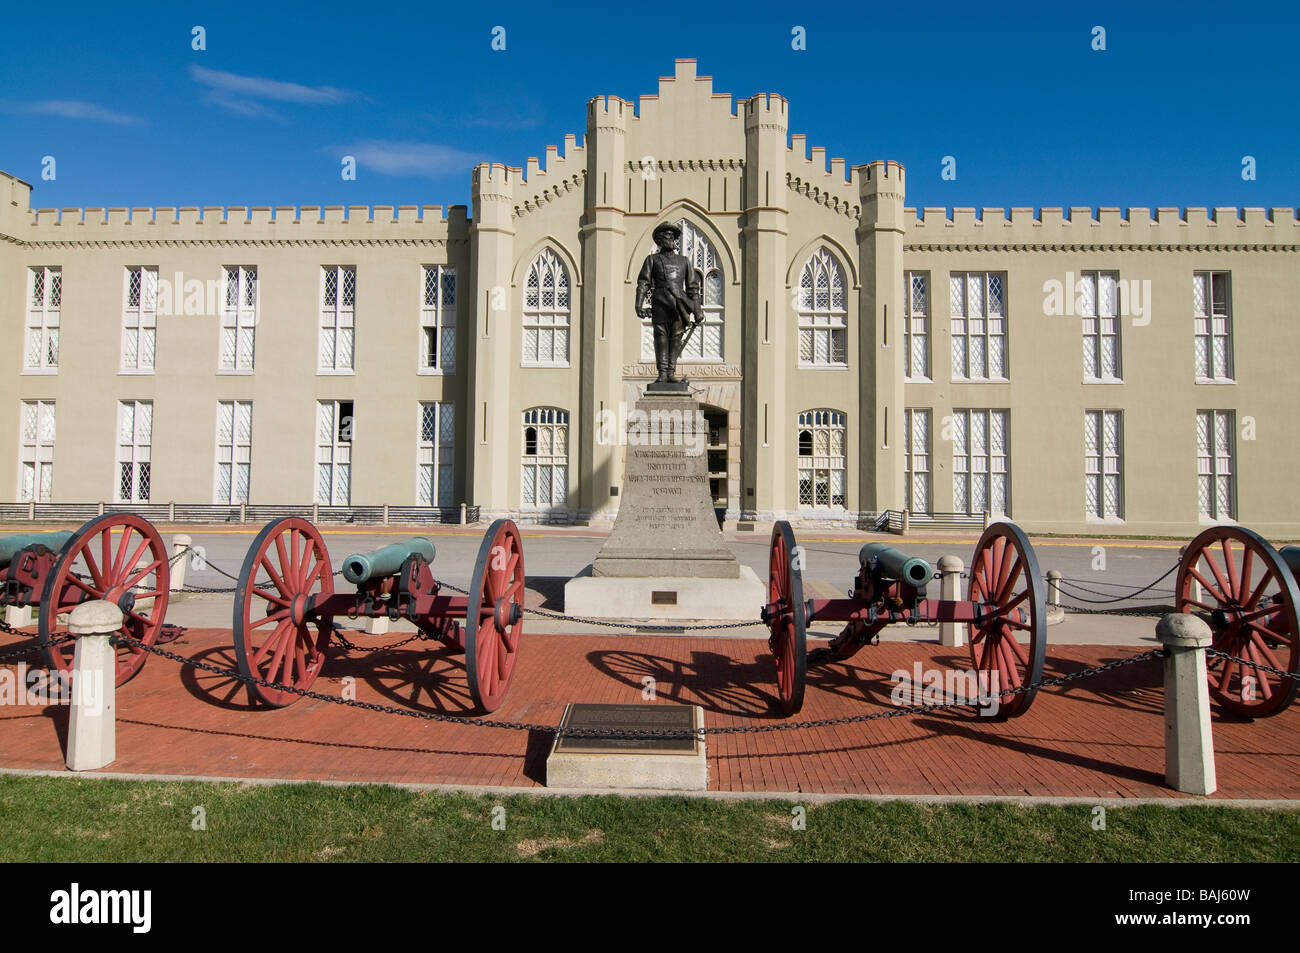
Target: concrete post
(1054, 587)
(243, 512)
(181, 555)
(92, 739)
(171, 511)
(462, 514)
(1189, 744)
(31, 510)
(988, 519)
(315, 512)
(18, 617)
(385, 514)
(907, 522)
(951, 634)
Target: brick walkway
(1101, 737)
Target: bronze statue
(668, 292)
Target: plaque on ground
(659, 763)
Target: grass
(83, 820)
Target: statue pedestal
(665, 557)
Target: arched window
(821, 460)
(546, 457)
(823, 331)
(546, 311)
(706, 343)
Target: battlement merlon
(766, 111)
(882, 187)
(15, 204)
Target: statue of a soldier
(668, 293)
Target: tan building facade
(1084, 372)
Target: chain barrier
(1258, 666)
(1072, 584)
(33, 647)
(631, 733)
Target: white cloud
(242, 94)
(77, 109)
(425, 159)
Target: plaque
(615, 718)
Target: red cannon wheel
(494, 616)
(1005, 581)
(787, 618)
(1249, 599)
(131, 572)
(286, 570)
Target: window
(334, 452)
(239, 318)
(234, 451)
(546, 311)
(1103, 453)
(821, 460)
(546, 457)
(706, 343)
(139, 319)
(338, 302)
(44, 302)
(434, 455)
(917, 325)
(1215, 450)
(917, 460)
(134, 441)
(979, 461)
(979, 340)
(1212, 308)
(823, 334)
(438, 320)
(37, 451)
(1099, 297)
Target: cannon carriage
(1005, 603)
(117, 557)
(286, 603)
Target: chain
(1073, 585)
(631, 733)
(29, 649)
(352, 647)
(1258, 666)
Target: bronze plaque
(663, 597)
(620, 718)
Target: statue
(668, 292)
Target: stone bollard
(951, 634)
(92, 727)
(1189, 743)
(1054, 587)
(180, 557)
(462, 514)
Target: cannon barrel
(387, 560)
(914, 571)
(11, 546)
(1291, 556)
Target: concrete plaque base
(654, 598)
(597, 763)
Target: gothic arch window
(706, 343)
(547, 311)
(823, 312)
(545, 481)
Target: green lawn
(68, 819)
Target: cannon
(285, 605)
(118, 557)
(1246, 591)
(1005, 602)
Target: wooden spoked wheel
(1006, 584)
(494, 615)
(1248, 597)
(278, 636)
(117, 557)
(787, 618)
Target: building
(1085, 372)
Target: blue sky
(1032, 114)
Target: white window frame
(336, 351)
(44, 308)
(1216, 465)
(1103, 466)
(916, 459)
(334, 432)
(707, 344)
(823, 312)
(979, 336)
(139, 319)
(1213, 353)
(237, 353)
(1099, 313)
(916, 326)
(547, 312)
(973, 459)
(36, 451)
(435, 454)
(135, 451)
(437, 319)
(827, 461)
(232, 473)
(552, 429)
